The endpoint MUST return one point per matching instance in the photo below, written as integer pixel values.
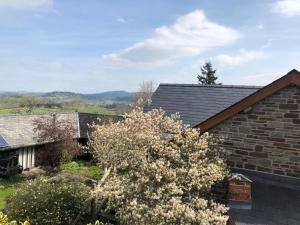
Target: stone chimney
(239, 192)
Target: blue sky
(95, 45)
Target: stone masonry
(265, 137)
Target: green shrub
(67, 156)
(47, 203)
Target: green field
(88, 109)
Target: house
(17, 135)
(261, 131)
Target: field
(109, 104)
(87, 109)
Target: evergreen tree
(208, 74)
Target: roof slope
(17, 130)
(291, 78)
(196, 103)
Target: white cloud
(26, 4)
(288, 8)
(190, 35)
(238, 59)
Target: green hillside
(109, 103)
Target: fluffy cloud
(26, 4)
(287, 7)
(238, 59)
(190, 35)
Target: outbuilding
(260, 127)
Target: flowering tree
(157, 171)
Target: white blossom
(161, 170)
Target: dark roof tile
(196, 103)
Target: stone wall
(266, 137)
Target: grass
(83, 169)
(8, 187)
(89, 109)
(4, 193)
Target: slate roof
(17, 130)
(197, 103)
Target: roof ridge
(211, 85)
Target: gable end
(291, 78)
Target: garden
(77, 168)
(147, 169)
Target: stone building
(260, 127)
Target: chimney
(239, 192)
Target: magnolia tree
(157, 171)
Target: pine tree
(208, 74)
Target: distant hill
(110, 95)
(110, 102)
(119, 96)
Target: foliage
(5, 221)
(208, 74)
(4, 193)
(61, 134)
(7, 187)
(158, 171)
(45, 203)
(82, 169)
(29, 103)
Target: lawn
(83, 169)
(4, 193)
(7, 187)
(89, 109)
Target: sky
(90, 46)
